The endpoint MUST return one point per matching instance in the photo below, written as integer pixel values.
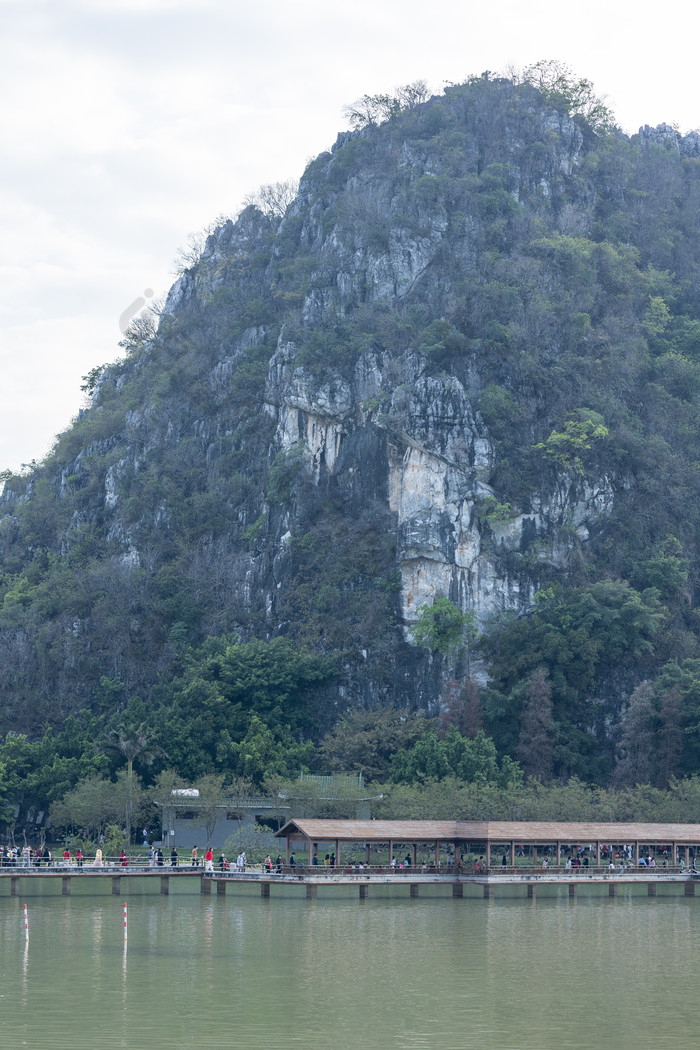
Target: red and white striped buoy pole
(124, 920)
(26, 923)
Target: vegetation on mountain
(495, 282)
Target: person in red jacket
(209, 860)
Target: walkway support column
(14, 885)
(512, 854)
(116, 885)
(205, 887)
(414, 889)
(164, 885)
(311, 889)
(265, 891)
(572, 890)
(437, 856)
(363, 892)
(488, 854)
(558, 854)
(488, 891)
(531, 891)
(221, 888)
(457, 889)
(65, 886)
(690, 888)
(651, 889)
(612, 889)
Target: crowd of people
(26, 857)
(622, 859)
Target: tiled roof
(488, 830)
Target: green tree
(366, 741)
(96, 802)
(636, 758)
(208, 708)
(537, 729)
(264, 752)
(669, 747)
(443, 627)
(212, 799)
(566, 448)
(132, 740)
(432, 758)
(333, 797)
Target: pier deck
(119, 879)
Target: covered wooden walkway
(506, 840)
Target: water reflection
(393, 973)
(25, 970)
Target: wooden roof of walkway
(491, 831)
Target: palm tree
(131, 741)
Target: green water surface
(336, 973)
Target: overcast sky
(128, 124)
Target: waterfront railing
(142, 865)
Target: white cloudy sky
(128, 124)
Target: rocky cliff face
(343, 414)
(429, 451)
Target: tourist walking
(209, 860)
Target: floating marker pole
(124, 920)
(26, 923)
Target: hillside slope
(465, 363)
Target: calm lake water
(386, 973)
